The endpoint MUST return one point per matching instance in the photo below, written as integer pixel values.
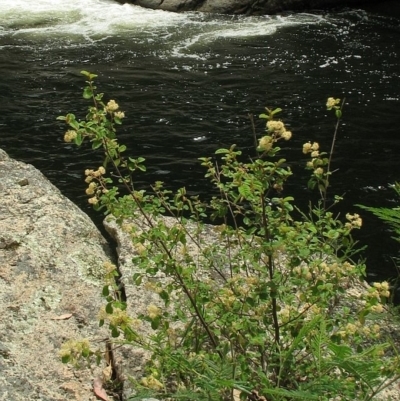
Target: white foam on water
(91, 18)
(74, 22)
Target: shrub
(263, 305)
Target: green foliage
(254, 307)
(390, 216)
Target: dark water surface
(180, 77)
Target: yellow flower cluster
(285, 313)
(119, 114)
(94, 188)
(90, 190)
(303, 271)
(352, 329)
(382, 289)
(277, 131)
(172, 335)
(265, 143)
(227, 297)
(378, 308)
(342, 269)
(332, 103)
(242, 285)
(111, 106)
(109, 267)
(324, 271)
(140, 248)
(316, 162)
(375, 295)
(153, 311)
(152, 382)
(110, 272)
(70, 135)
(75, 348)
(154, 287)
(118, 317)
(373, 330)
(311, 148)
(90, 174)
(93, 201)
(354, 221)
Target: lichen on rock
(51, 258)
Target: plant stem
(330, 156)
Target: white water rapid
(76, 22)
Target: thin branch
(328, 172)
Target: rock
(130, 359)
(178, 5)
(225, 6)
(51, 257)
(211, 6)
(153, 4)
(248, 7)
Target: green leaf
(65, 358)
(87, 93)
(88, 75)
(155, 323)
(137, 278)
(250, 301)
(276, 111)
(114, 332)
(85, 352)
(221, 151)
(106, 291)
(245, 191)
(164, 296)
(291, 394)
(387, 215)
(119, 304)
(340, 351)
(79, 139)
(74, 124)
(97, 144)
(109, 308)
(332, 234)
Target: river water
(187, 83)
